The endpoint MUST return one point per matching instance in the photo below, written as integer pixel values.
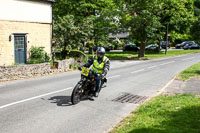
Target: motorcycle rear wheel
(76, 94)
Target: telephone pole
(167, 39)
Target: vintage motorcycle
(86, 86)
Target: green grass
(118, 55)
(193, 71)
(121, 55)
(164, 114)
(134, 55)
(171, 53)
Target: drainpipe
(51, 27)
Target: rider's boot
(90, 97)
(104, 85)
(96, 94)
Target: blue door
(20, 49)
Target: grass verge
(164, 114)
(134, 55)
(193, 71)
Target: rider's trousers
(98, 82)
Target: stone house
(24, 23)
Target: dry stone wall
(32, 70)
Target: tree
(91, 21)
(179, 15)
(197, 8)
(148, 20)
(70, 35)
(140, 19)
(195, 30)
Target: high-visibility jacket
(99, 67)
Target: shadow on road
(61, 100)
(65, 100)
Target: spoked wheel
(76, 94)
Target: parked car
(163, 44)
(108, 48)
(191, 46)
(179, 46)
(130, 47)
(152, 47)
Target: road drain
(130, 98)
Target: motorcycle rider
(101, 66)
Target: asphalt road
(43, 105)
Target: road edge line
(160, 91)
(163, 89)
(138, 105)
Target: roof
(119, 35)
(51, 1)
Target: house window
(19, 42)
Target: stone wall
(32, 70)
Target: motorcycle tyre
(74, 97)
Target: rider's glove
(96, 72)
(102, 76)
(80, 68)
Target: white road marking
(32, 98)
(138, 71)
(152, 67)
(163, 89)
(167, 63)
(188, 58)
(113, 77)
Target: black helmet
(100, 52)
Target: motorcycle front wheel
(76, 94)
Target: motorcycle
(86, 86)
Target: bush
(117, 43)
(37, 55)
(69, 53)
(89, 45)
(74, 66)
(76, 53)
(77, 63)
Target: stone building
(24, 23)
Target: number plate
(85, 71)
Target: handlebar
(80, 68)
(95, 73)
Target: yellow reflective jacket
(99, 67)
